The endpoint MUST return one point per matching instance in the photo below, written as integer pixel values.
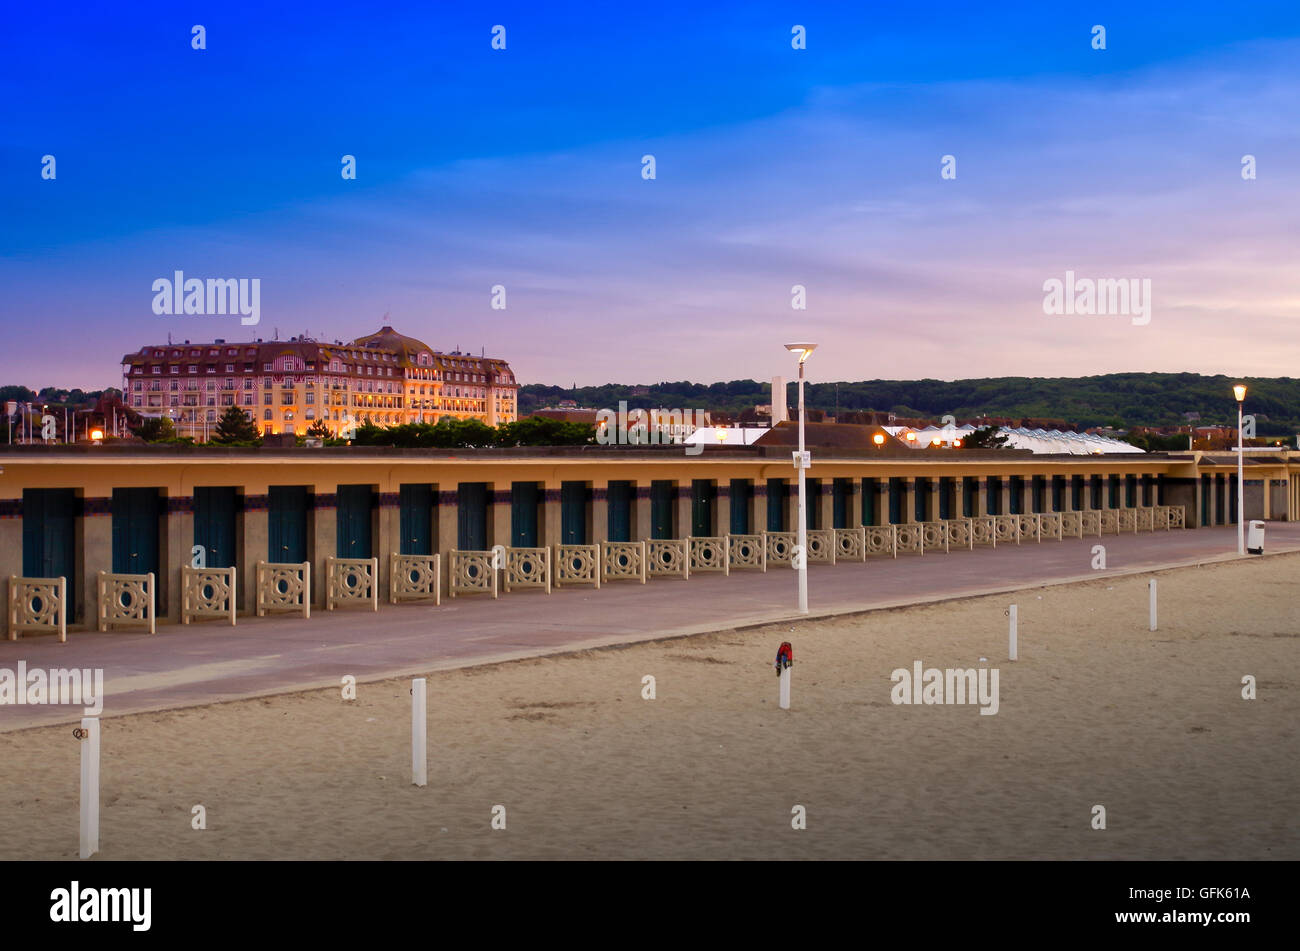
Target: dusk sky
(774, 167)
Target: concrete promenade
(206, 663)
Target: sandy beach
(1097, 710)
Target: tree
(318, 430)
(234, 428)
(541, 431)
(156, 429)
(990, 437)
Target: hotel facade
(287, 386)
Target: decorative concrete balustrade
(1071, 525)
(851, 544)
(414, 578)
(208, 593)
(961, 533)
(934, 536)
(1051, 525)
(577, 564)
(471, 572)
(1145, 519)
(909, 538)
(709, 553)
(1028, 527)
(1089, 524)
(351, 582)
(668, 558)
(881, 540)
(1006, 529)
(284, 588)
(821, 546)
(748, 552)
(38, 606)
(127, 600)
(623, 561)
(527, 568)
(1127, 520)
(780, 547)
(984, 530)
(1109, 524)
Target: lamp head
(878, 439)
(803, 349)
(1239, 391)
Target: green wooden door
(415, 518)
(214, 524)
(704, 494)
(50, 536)
(895, 501)
(471, 516)
(945, 497)
(870, 492)
(574, 499)
(524, 499)
(135, 530)
(618, 499)
(740, 492)
(286, 524)
(776, 501)
(841, 491)
(354, 506)
(662, 495)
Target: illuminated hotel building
(285, 386)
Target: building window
(266, 368)
(266, 398)
(267, 415)
(193, 368)
(230, 368)
(174, 368)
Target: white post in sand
(785, 688)
(1151, 588)
(419, 750)
(89, 786)
(1012, 615)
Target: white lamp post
(1239, 391)
(801, 463)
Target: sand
(1098, 710)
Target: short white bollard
(419, 750)
(89, 735)
(784, 661)
(1011, 613)
(1151, 588)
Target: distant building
(285, 386)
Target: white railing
(961, 534)
(748, 551)
(821, 545)
(851, 544)
(881, 540)
(667, 557)
(527, 568)
(780, 547)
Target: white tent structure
(1035, 440)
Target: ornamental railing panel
(577, 564)
(1127, 520)
(284, 588)
(881, 540)
(1007, 528)
(984, 530)
(1027, 524)
(414, 578)
(935, 536)
(909, 537)
(748, 551)
(208, 593)
(527, 568)
(821, 545)
(623, 561)
(1052, 525)
(472, 572)
(708, 553)
(1071, 525)
(1109, 522)
(851, 544)
(1146, 519)
(1177, 516)
(961, 533)
(38, 606)
(1090, 523)
(780, 547)
(667, 557)
(127, 601)
(351, 582)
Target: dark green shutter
(214, 524)
(618, 497)
(776, 505)
(415, 518)
(524, 498)
(50, 537)
(662, 495)
(135, 530)
(286, 537)
(471, 516)
(703, 495)
(574, 498)
(742, 491)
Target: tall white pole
(1151, 589)
(1241, 525)
(783, 692)
(89, 786)
(1013, 647)
(803, 518)
(419, 748)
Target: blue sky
(775, 167)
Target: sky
(522, 167)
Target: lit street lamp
(1239, 391)
(801, 463)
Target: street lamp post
(1239, 391)
(801, 463)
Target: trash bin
(1255, 537)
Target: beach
(1097, 710)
